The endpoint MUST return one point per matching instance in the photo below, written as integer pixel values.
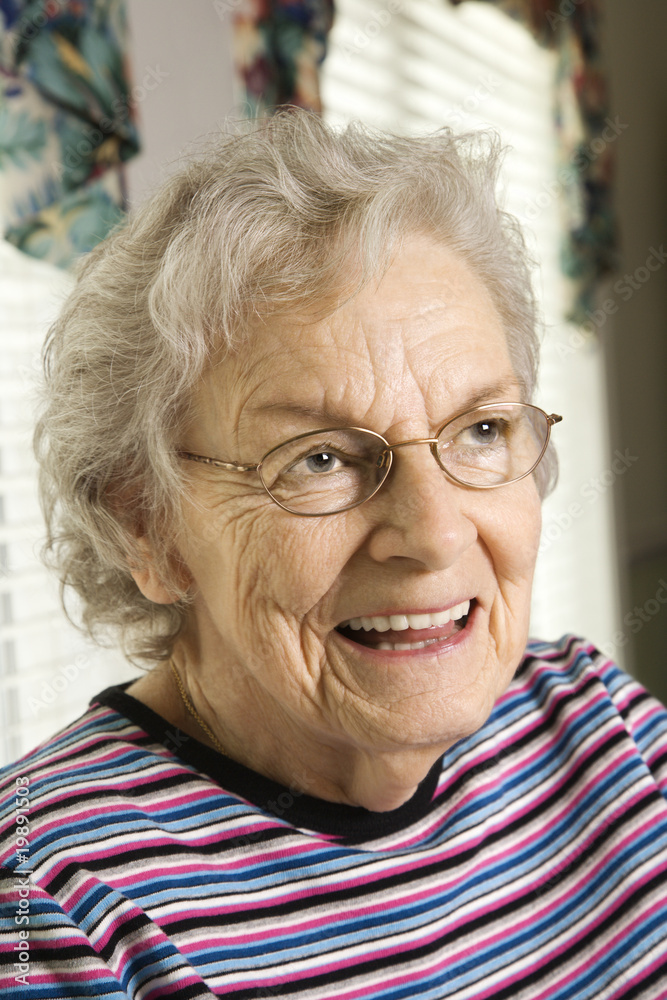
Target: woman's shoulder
(576, 665)
(578, 689)
(94, 765)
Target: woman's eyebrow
(493, 393)
(331, 413)
(299, 409)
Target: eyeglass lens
(325, 472)
(333, 470)
(492, 447)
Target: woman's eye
(303, 463)
(316, 463)
(323, 461)
(485, 432)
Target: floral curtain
(278, 47)
(66, 124)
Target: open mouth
(403, 632)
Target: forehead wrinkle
(351, 334)
(333, 385)
(246, 386)
(365, 388)
(228, 390)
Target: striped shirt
(531, 862)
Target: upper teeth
(382, 623)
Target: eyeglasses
(335, 469)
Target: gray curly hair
(286, 213)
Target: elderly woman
(289, 455)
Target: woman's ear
(148, 580)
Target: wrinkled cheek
(272, 573)
(253, 566)
(297, 562)
(225, 556)
(523, 528)
(259, 575)
(533, 534)
(513, 550)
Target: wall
(636, 335)
(182, 68)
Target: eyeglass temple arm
(553, 418)
(217, 463)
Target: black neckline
(350, 824)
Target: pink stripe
(602, 915)
(605, 949)
(552, 790)
(78, 977)
(657, 963)
(378, 871)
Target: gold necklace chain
(193, 711)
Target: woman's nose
(418, 514)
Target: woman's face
(272, 590)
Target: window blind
(417, 65)
(48, 671)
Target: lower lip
(433, 649)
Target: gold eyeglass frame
(386, 456)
